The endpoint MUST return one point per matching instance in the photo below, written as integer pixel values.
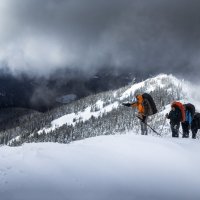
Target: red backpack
(181, 107)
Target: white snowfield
(115, 167)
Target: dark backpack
(191, 108)
(149, 105)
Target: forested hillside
(98, 114)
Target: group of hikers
(180, 114)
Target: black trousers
(175, 129)
(185, 127)
(194, 133)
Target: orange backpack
(181, 107)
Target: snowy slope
(120, 167)
(72, 118)
(152, 84)
(187, 90)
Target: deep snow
(117, 167)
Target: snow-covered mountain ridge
(150, 85)
(103, 113)
(87, 113)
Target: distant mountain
(100, 114)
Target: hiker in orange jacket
(142, 107)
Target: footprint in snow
(9, 167)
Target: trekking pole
(180, 132)
(149, 126)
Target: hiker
(146, 107)
(189, 115)
(195, 125)
(176, 115)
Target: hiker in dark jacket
(175, 117)
(195, 125)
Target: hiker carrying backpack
(176, 115)
(195, 125)
(146, 107)
(189, 115)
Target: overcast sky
(39, 36)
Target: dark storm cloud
(38, 37)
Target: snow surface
(118, 167)
(72, 118)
